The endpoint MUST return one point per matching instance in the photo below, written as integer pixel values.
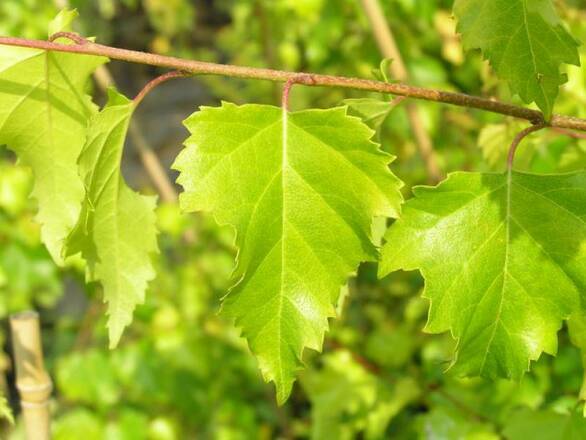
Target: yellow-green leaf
(44, 113)
(116, 232)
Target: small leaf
(503, 259)
(301, 190)
(63, 21)
(116, 231)
(373, 112)
(383, 71)
(525, 43)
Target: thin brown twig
(385, 39)
(517, 141)
(201, 67)
(157, 81)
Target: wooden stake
(32, 381)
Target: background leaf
(544, 425)
(525, 43)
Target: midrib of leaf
(49, 111)
(508, 219)
(100, 156)
(490, 237)
(119, 279)
(284, 166)
(505, 268)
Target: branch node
(397, 100)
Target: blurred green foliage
(182, 371)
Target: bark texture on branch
(201, 67)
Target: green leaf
(373, 112)
(130, 424)
(525, 42)
(63, 22)
(503, 259)
(383, 72)
(444, 422)
(577, 332)
(5, 410)
(79, 422)
(43, 118)
(346, 400)
(88, 378)
(545, 425)
(301, 192)
(116, 231)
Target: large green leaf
(116, 231)
(43, 118)
(524, 41)
(301, 192)
(503, 257)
